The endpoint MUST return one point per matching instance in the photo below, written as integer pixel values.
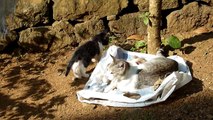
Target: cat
(139, 73)
(85, 54)
(119, 71)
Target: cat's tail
(69, 66)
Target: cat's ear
(121, 65)
(113, 58)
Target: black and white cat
(139, 73)
(90, 51)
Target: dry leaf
(135, 37)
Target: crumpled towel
(93, 91)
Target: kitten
(117, 71)
(140, 74)
(155, 70)
(90, 51)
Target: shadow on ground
(25, 78)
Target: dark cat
(90, 51)
(139, 73)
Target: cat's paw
(93, 60)
(86, 75)
(157, 83)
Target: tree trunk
(154, 39)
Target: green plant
(145, 17)
(172, 41)
(111, 38)
(133, 49)
(139, 46)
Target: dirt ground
(33, 86)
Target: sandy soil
(33, 86)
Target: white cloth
(93, 90)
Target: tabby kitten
(140, 73)
(90, 51)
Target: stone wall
(41, 25)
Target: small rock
(6, 39)
(87, 29)
(111, 17)
(128, 24)
(191, 16)
(15, 108)
(28, 13)
(78, 9)
(35, 39)
(209, 116)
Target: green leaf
(146, 14)
(145, 17)
(143, 51)
(111, 38)
(146, 20)
(174, 42)
(133, 49)
(139, 44)
(164, 42)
